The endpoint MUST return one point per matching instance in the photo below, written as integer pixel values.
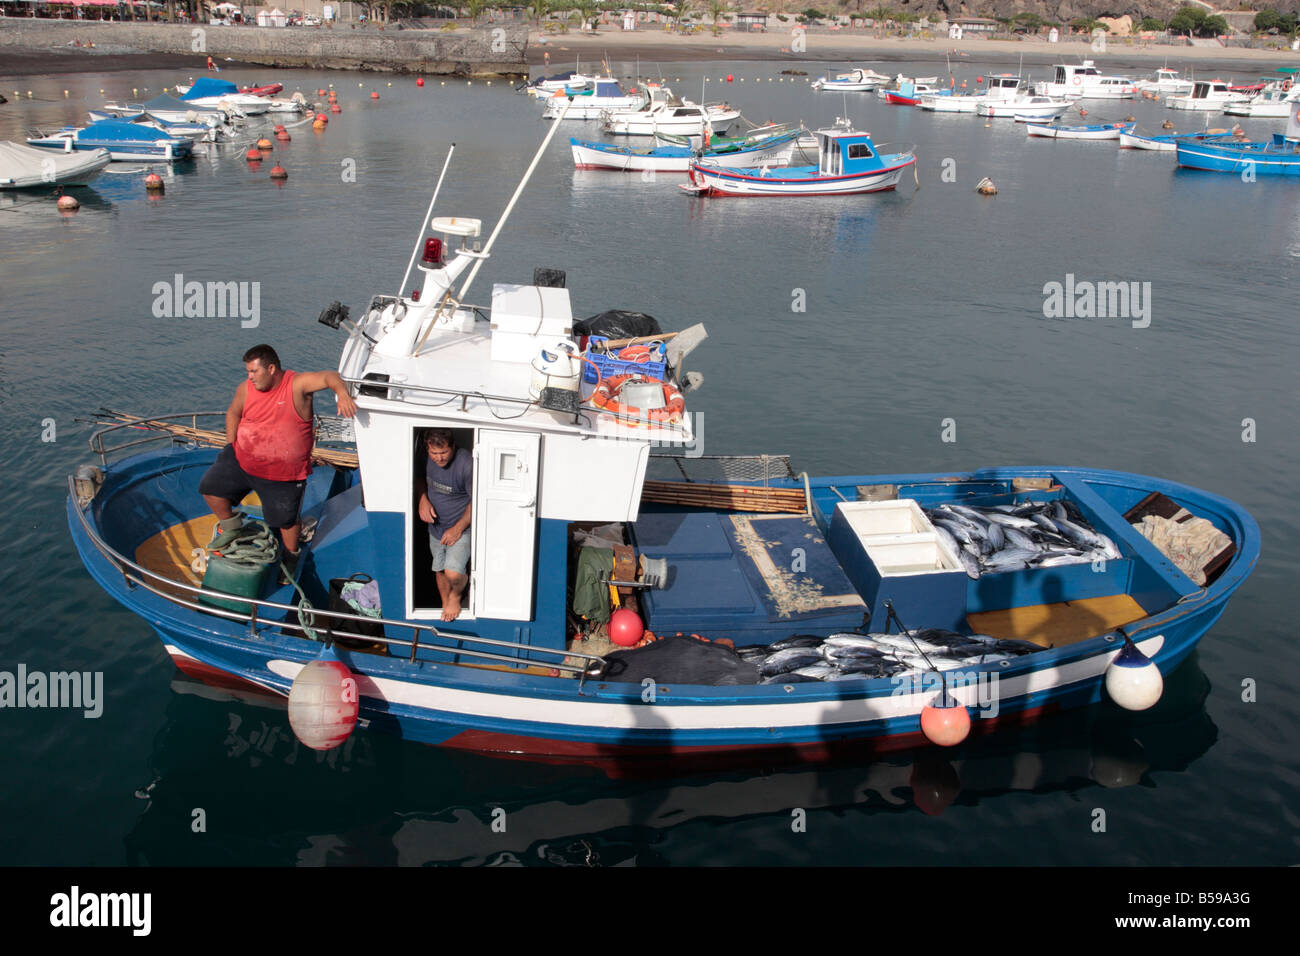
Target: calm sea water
(919, 306)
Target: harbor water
(905, 331)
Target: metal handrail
(135, 574)
(96, 440)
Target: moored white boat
(592, 101)
(1165, 82)
(668, 113)
(745, 153)
(125, 142)
(212, 93)
(1168, 143)
(1029, 108)
(854, 81)
(1276, 100)
(1207, 95)
(1085, 81)
(25, 167)
(1001, 87)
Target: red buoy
(374, 95)
(322, 118)
(154, 183)
(729, 77)
(68, 204)
(419, 81)
(277, 172)
(625, 627)
(283, 136)
(323, 704)
(335, 108)
(254, 155)
(320, 92)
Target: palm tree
(587, 12)
(683, 9)
(717, 10)
(539, 9)
(474, 8)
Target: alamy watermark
(1100, 300)
(77, 909)
(83, 690)
(208, 300)
(933, 682)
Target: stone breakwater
(483, 51)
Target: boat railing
(395, 391)
(104, 451)
(334, 623)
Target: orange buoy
(278, 172)
(265, 144)
(419, 81)
(254, 155)
(374, 95)
(68, 204)
(1082, 111)
(335, 108)
(320, 92)
(154, 183)
(283, 136)
(945, 721)
(318, 125)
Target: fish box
(890, 551)
(228, 577)
(527, 319)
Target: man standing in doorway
(269, 426)
(445, 507)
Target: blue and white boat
(125, 142)
(212, 93)
(1168, 142)
(847, 162)
(732, 153)
(168, 109)
(198, 132)
(510, 674)
(1279, 156)
(1094, 131)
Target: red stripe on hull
(215, 677)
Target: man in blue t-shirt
(445, 507)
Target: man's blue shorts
(454, 558)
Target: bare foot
(450, 609)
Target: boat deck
(1054, 625)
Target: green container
(244, 580)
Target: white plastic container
(558, 366)
(527, 319)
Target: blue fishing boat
(124, 141)
(848, 162)
(1279, 156)
(824, 613)
(1093, 131)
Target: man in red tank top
(269, 427)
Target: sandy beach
(864, 48)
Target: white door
(505, 524)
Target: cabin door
(505, 524)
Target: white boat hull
(584, 157)
(753, 182)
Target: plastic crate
(610, 366)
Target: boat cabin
(425, 360)
(844, 152)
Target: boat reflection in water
(384, 801)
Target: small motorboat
(24, 167)
(125, 142)
(1025, 109)
(222, 94)
(854, 81)
(166, 109)
(1085, 81)
(1168, 143)
(1001, 87)
(670, 114)
(592, 101)
(1096, 131)
(731, 153)
(1208, 95)
(1165, 82)
(911, 94)
(848, 162)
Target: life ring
(1078, 81)
(697, 177)
(1297, 116)
(606, 394)
(1286, 84)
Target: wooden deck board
(1052, 625)
(171, 551)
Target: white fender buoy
(323, 703)
(1133, 680)
(944, 721)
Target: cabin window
(1060, 74)
(860, 151)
